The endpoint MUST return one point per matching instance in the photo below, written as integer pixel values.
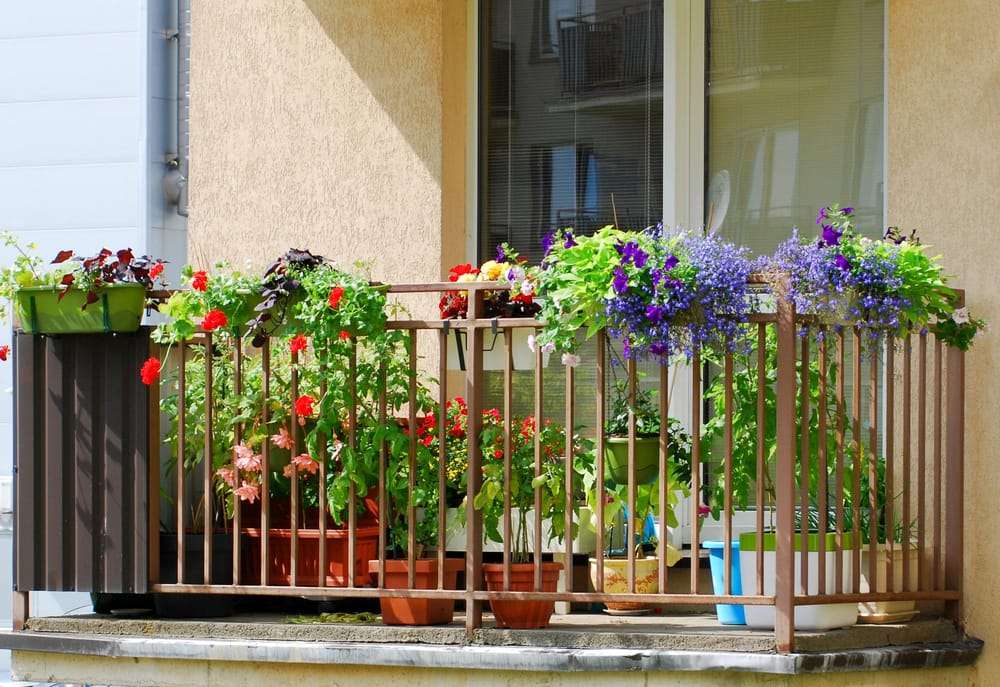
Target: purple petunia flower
(570, 241)
(501, 255)
(620, 281)
(654, 313)
(821, 217)
(842, 262)
(831, 237)
(547, 242)
(847, 211)
(670, 263)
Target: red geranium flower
(4, 352)
(156, 270)
(336, 293)
(344, 335)
(304, 405)
(458, 270)
(213, 320)
(298, 343)
(199, 282)
(149, 373)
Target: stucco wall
(322, 124)
(943, 174)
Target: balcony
(114, 496)
(611, 51)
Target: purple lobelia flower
(847, 211)
(821, 217)
(570, 240)
(501, 254)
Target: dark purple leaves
(62, 256)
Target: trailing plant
(660, 293)
(886, 287)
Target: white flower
(570, 359)
(515, 274)
(961, 316)
(527, 288)
(548, 347)
(531, 342)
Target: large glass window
(794, 100)
(572, 135)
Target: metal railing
(885, 472)
(611, 50)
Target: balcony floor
(695, 633)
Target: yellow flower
(493, 270)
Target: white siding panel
(79, 197)
(69, 132)
(68, 17)
(69, 67)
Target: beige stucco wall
(134, 671)
(341, 126)
(943, 176)
(329, 125)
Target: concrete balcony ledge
(574, 643)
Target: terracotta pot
(279, 550)
(399, 611)
(522, 615)
(880, 612)
(616, 581)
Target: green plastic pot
(647, 460)
(119, 308)
(748, 541)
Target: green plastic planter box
(748, 541)
(119, 308)
(647, 460)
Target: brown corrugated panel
(81, 450)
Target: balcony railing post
(954, 479)
(784, 600)
(474, 395)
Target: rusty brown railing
(898, 423)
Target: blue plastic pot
(729, 614)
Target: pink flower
(246, 459)
(703, 510)
(283, 439)
(302, 463)
(248, 492)
(227, 475)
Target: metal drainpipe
(183, 97)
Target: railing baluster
(238, 435)
(664, 469)
(323, 457)
(761, 467)
(508, 411)
(804, 464)
(181, 452)
(856, 477)
(599, 402)
(938, 422)
(474, 400)
(352, 442)
(207, 509)
(265, 471)
(922, 461)
(821, 470)
(293, 553)
(840, 486)
(442, 545)
(695, 465)
(630, 521)
(873, 459)
(890, 409)
(411, 477)
(784, 586)
(955, 479)
(538, 468)
(383, 453)
(727, 517)
(568, 524)
(907, 410)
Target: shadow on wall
(394, 46)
